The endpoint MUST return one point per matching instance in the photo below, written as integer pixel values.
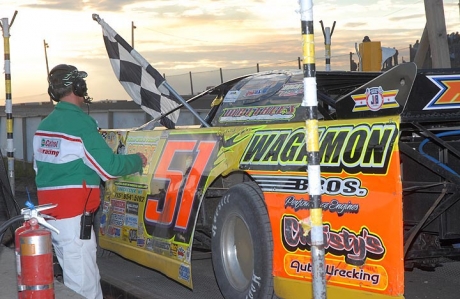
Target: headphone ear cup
(79, 87)
(51, 94)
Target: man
(70, 159)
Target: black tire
(242, 244)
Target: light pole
(132, 34)
(45, 45)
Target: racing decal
(132, 208)
(375, 99)
(354, 247)
(448, 96)
(299, 184)
(180, 168)
(184, 272)
(333, 206)
(116, 140)
(354, 149)
(142, 144)
(129, 191)
(103, 220)
(118, 206)
(231, 96)
(291, 89)
(368, 276)
(258, 113)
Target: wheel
(242, 244)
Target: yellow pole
(310, 102)
(8, 101)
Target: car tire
(242, 244)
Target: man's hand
(144, 159)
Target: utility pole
(45, 46)
(8, 101)
(434, 37)
(132, 34)
(327, 43)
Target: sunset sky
(198, 36)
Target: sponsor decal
(113, 231)
(354, 149)
(117, 219)
(375, 99)
(181, 253)
(50, 143)
(355, 247)
(173, 250)
(130, 191)
(333, 206)
(368, 276)
(48, 152)
(184, 272)
(149, 244)
(448, 96)
(132, 235)
(50, 146)
(291, 89)
(140, 242)
(132, 208)
(231, 96)
(131, 220)
(118, 206)
(258, 113)
(160, 246)
(299, 184)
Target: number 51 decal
(176, 178)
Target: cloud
(57, 5)
(407, 17)
(354, 24)
(78, 5)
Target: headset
(79, 87)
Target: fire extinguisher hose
(4, 226)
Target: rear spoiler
(387, 94)
(423, 96)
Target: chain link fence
(192, 83)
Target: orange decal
(448, 96)
(180, 184)
(451, 94)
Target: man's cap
(64, 75)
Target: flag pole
(184, 102)
(310, 102)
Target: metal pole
(132, 34)
(45, 45)
(8, 102)
(191, 82)
(327, 33)
(310, 101)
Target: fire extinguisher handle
(34, 212)
(43, 222)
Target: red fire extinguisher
(17, 252)
(34, 252)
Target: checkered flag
(140, 80)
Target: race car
(238, 187)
